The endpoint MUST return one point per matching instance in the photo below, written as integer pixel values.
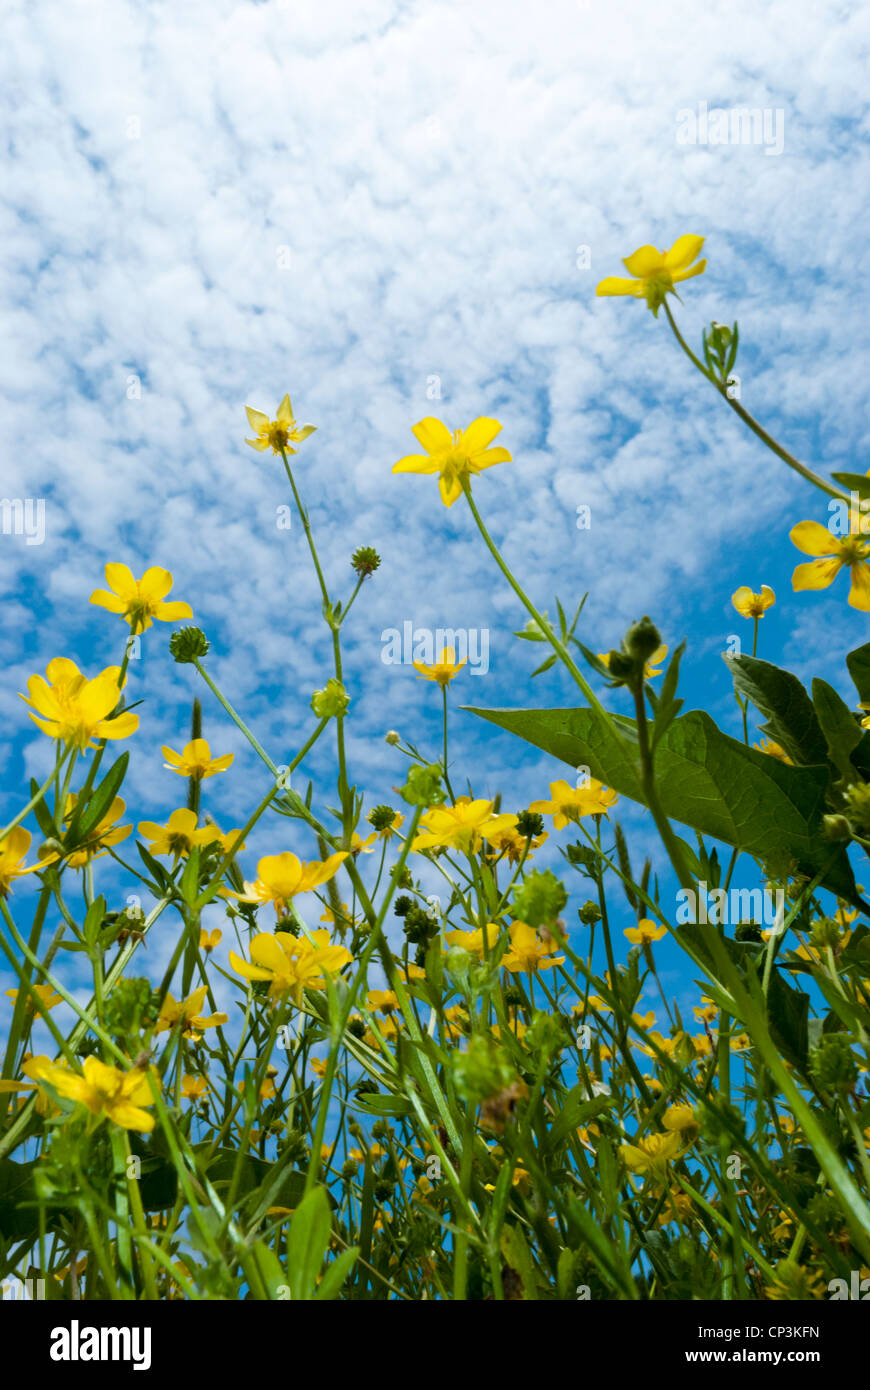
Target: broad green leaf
(307, 1243)
(785, 704)
(335, 1275)
(858, 663)
(855, 482)
(86, 820)
(517, 1254)
(705, 780)
(839, 726)
(788, 1014)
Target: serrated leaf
(706, 780)
(785, 704)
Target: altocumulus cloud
(393, 210)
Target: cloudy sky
(392, 210)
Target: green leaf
(788, 1014)
(86, 820)
(41, 812)
(307, 1243)
(839, 726)
(384, 1105)
(706, 780)
(269, 1268)
(855, 482)
(335, 1275)
(858, 663)
(517, 1254)
(572, 1115)
(785, 704)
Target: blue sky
(229, 201)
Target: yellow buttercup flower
(475, 942)
(463, 826)
(453, 456)
(291, 963)
(358, 845)
(651, 1154)
(139, 601)
(278, 434)
(750, 605)
(528, 951)
(567, 804)
(179, 835)
(75, 710)
(105, 1090)
(209, 939)
(382, 1001)
(48, 999)
(280, 877)
(682, 1121)
(103, 835)
(645, 933)
(832, 553)
(649, 671)
(195, 760)
(773, 750)
(186, 1015)
(513, 844)
(13, 848)
(443, 670)
(656, 272)
(194, 1087)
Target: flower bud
(642, 639)
(188, 644)
(331, 701)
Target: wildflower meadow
(452, 1095)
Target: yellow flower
(358, 845)
(196, 760)
(291, 963)
(656, 272)
(138, 601)
(388, 831)
(645, 933)
(527, 951)
(740, 1042)
(444, 669)
(567, 804)
(649, 670)
(187, 1014)
(318, 1066)
(13, 848)
(682, 1121)
(279, 434)
(832, 554)
(76, 710)
(382, 1001)
(281, 876)
(773, 750)
(48, 999)
(194, 1087)
(103, 835)
(463, 826)
(750, 605)
(680, 1203)
(650, 1155)
(31, 1067)
(475, 942)
(180, 834)
(513, 844)
(453, 456)
(103, 1089)
(209, 939)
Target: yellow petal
(433, 435)
(859, 594)
(614, 284)
(813, 539)
(817, 574)
(683, 252)
(646, 260)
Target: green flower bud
(539, 898)
(382, 817)
(825, 933)
(836, 828)
(833, 1063)
(589, 913)
(530, 824)
(365, 560)
(423, 787)
(188, 644)
(642, 639)
(392, 737)
(483, 1071)
(331, 701)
